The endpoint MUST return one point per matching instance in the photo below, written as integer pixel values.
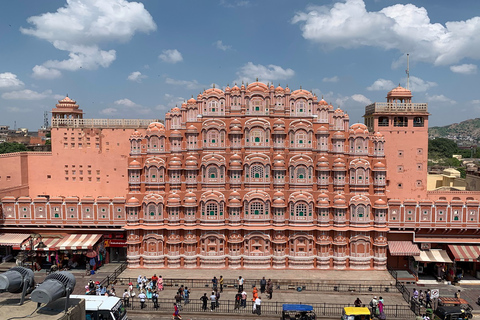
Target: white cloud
(171, 56)
(249, 72)
(108, 111)
(83, 27)
(28, 94)
(219, 44)
(235, 3)
(9, 80)
(406, 28)
(361, 98)
(41, 72)
(419, 85)
(381, 85)
(184, 83)
(126, 103)
(464, 68)
(136, 76)
(440, 98)
(332, 79)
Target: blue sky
(127, 59)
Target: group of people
(94, 288)
(422, 297)
(376, 307)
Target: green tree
(9, 147)
(442, 148)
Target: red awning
(78, 241)
(403, 248)
(465, 253)
(50, 244)
(13, 239)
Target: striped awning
(465, 253)
(433, 255)
(13, 239)
(403, 248)
(49, 242)
(78, 241)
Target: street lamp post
(40, 245)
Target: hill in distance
(465, 132)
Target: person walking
(428, 299)
(142, 296)
(421, 297)
(213, 300)
(263, 284)
(155, 299)
(373, 306)
(357, 303)
(126, 298)
(258, 303)
(244, 299)
(240, 283)
(154, 280)
(221, 284)
(160, 283)
(270, 288)
(415, 294)
(186, 295)
(214, 283)
(176, 312)
(238, 300)
(204, 299)
(254, 298)
(217, 295)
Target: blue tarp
(297, 307)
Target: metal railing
(323, 286)
(111, 278)
(267, 308)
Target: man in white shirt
(142, 296)
(258, 302)
(213, 300)
(240, 283)
(126, 298)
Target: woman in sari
(160, 283)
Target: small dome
(400, 92)
(235, 88)
(338, 135)
(191, 101)
(279, 89)
(380, 203)
(379, 165)
(133, 202)
(176, 110)
(191, 129)
(278, 203)
(136, 135)
(234, 194)
(235, 122)
(236, 157)
(134, 164)
(257, 86)
(278, 194)
(175, 162)
(175, 133)
(235, 129)
(322, 129)
(323, 102)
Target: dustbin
(429, 313)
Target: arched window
(212, 209)
(257, 208)
(257, 137)
(257, 172)
(212, 137)
(301, 108)
(154, 144)
(257, 106)
(212, 173)
(213, 107)
(301, 173)
(301, 210)
(301, 139)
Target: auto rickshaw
(451, 313)
(356, 313)
(298, 312)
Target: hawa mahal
(246, 177)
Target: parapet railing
(102, 123)
(113, 276)
(396, 107)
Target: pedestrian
(154, 280)
(373, 306)
(178, 298)
(254, 297)
(415, 294)
(381, 314)
(160, 283)
(142, 296)
(181, 290)
(263, 284)
(155, 299)
(112, 292)
(217, 294)
(238, 300)
(126, 298)
(457, 294)
(176, 313)
(358, 303)
(91, 287)
(213, 300)
(258, 303)
(204, 299)
(214, 283)
(428, 301)
(240, 283)
(421, 297)
(221, 284)
(139, 281)
(186, 295)
(244, 299)
(270, 288)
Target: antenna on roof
(408, 71)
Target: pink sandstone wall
(13, 174)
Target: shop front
(7, 242)
(466, 260)
(65, 251)
(116, 247)
(433, 264)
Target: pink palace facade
(252, 176)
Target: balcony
(386, 107)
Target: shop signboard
(118, 243)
